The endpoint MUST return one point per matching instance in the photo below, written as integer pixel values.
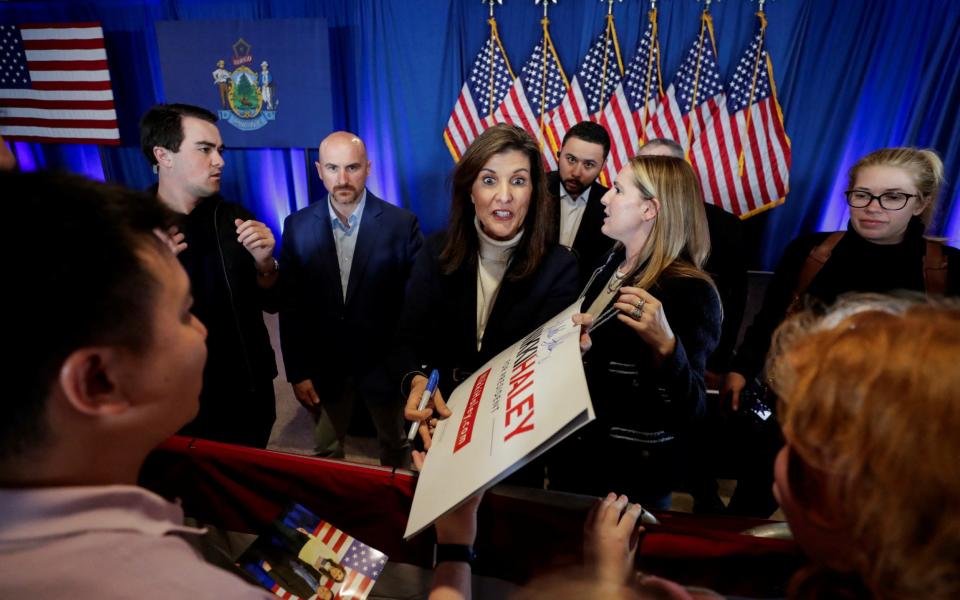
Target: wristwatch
(453, 553)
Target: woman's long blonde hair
(679, 241)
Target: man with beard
(346, 261)
(579, 212)
(229, 258)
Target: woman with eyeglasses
(892, 196)
(651, 318)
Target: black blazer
(589, 245)
(439, 324)
(322, 335)
(727, 264)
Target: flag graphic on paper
(747, 144)
(301, 556)
(55, 84)
(540, 87)
(487, 83)
(599, 74)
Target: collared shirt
(571, 213)
(106, 542)
(345, 238)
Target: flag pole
(652, 15)
(753, 83)
(547, 44)
(606, 44)
(493, 39)
(696, 76)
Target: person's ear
(89, 381)
(163, 156)
(921, 206)
(652, 209)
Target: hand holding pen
(422, 402)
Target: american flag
(540, 85)
(633, 102)
(361, 563)
(599, 74)
(487, 83)
(55, 84)
(694, 95)
(747, 145)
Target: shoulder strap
(815, 261)
(934, 269)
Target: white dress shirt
(571, 213)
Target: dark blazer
(641, 406)
(439, 324)
(323, 336)
(590, 245)
(727, 264)
(856, 265)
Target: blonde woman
(651, 318)
(892, 195)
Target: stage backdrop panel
(267, 80)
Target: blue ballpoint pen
(427, 393)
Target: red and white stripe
(464, 124)
(565, 115)
(355, 585)
(516, 110)
(71, 98)
(333, 538)
(625, 129)
(766, 154)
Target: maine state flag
(267, 80)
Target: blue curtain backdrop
(852, 76)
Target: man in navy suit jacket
(346, 260)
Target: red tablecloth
(243, 489)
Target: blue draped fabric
(852, 76)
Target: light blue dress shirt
(345, 238)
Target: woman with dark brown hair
(491, 277)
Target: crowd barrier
(522, 533)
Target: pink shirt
(104, 542)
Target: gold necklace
(616, 281)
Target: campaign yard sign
(518, 405)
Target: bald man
(346, 261)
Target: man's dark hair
(672, 146)
(589, 131)
(83, 284)
(161, 126)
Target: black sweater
(856, 265)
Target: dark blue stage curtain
(852, 76)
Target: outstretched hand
(611, 537)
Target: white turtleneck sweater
(494, 258)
